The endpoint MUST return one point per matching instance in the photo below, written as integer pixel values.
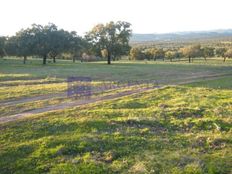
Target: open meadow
(182, 126)
(116, 87)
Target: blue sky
(146, 16)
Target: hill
(177, 36)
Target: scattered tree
(171, 55)
(159, 54)
(75, 45)
(207, 52)
(191, 52)
(114, 37)
(24, 44)
(2, 46)
(149, 53)
(134, 54)
(220, 52)
(228, 54)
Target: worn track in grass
(84, 101)
(63, 95)
(71, 104)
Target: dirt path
(63, 95)
(32, 82)
(84, 101)
(32, 99)
(71, 104)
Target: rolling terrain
(183, 126)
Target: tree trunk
(109, 58)
(74, 59)
(45, 59)
(224, 60)
(54, 59)
(24, 59)
(189, 59)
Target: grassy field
(219, 83)
(175, 129)
(164, 72)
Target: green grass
(19, 81)
(21, 107)
(171, 130)
(178, 129)
(20, 91)
(28, 106)
(219, 83)
(164, 72)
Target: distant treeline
(108, 40)
(190, 52)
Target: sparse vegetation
(180, 125)
(171, 130)
(164, 131)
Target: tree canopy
(43, 41)
(113, 37)
(105, 41)
(2, 46)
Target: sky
(146, 16)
